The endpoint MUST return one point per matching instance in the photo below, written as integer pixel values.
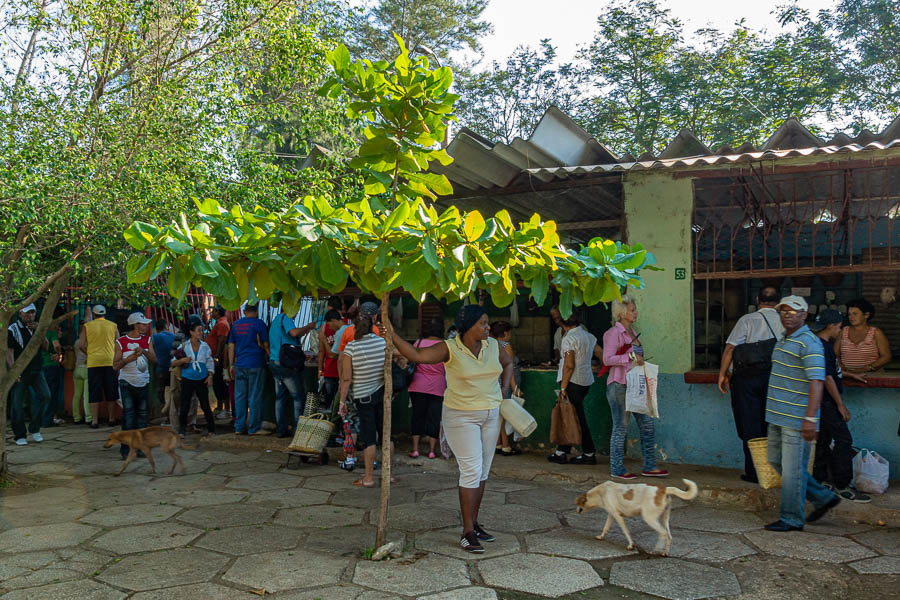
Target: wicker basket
(312, 434)
(314, 403)
(765, 472)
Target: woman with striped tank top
(862, 348)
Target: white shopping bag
(640, 390)
(870, 472)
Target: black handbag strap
(772, 331)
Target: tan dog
(631, 500)
(145, 439)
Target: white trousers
(472, 435)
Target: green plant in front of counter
(394, 237)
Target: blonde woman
(620, 343)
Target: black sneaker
(483, 535)
(846, 493)
(469, 542)
(584, 459)
(559, 459)
(819, 512)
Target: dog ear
(581, 500)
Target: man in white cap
(18, 336)
(792, 412)
(132, 353)
(98, 339)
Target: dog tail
(181, 444)
(690, 494)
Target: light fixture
(748, 223)
(825, 216)
(894, 211)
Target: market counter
(883, 379)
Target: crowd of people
(786, 383)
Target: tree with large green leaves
(393, 238)
(114, 111)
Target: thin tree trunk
(386, 428)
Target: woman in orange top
(862, 347)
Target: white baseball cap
(137, 318)
(99, 310)
(795, 302)
(29, 308)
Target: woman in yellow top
(473, 365)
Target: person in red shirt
(328, 359)
(217, 340)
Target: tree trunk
(386, 428)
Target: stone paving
(240, 525)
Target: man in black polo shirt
(18, 336)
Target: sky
(570, 23)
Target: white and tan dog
(649, 502)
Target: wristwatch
(811, 419)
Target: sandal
(432, 455)
(359, 483)
(414, 454)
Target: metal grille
(803, 223)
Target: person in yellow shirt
(475, 368)
(97, 340)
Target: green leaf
(330, 265)
(540, 285)
(429, 252)
(139, 233)
(261, 280)
(201, 267)
(474, 225)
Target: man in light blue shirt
(792, 412)
(283, 331)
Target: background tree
(440, 25)
(508, 100)
(404, 107)
(112, 111)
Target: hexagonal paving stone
(574, 543)
(546, 498)
(466, 593)
(228, 515)
(54, 495)
(423, 482)
(207, 497)
(42, 568)
(446, 542)
(335, 483)
(34, 453)
(503, 486)
(809, 546)
(366, 498)
(450, 498)
(883, 565)
(184, 483)
(276, 571)
(243, 468)
(716, 520)
(116, 516)
(886, 541)
(218, 456)
(512, 517)
(264, 481)
(199, 591)
(166, 568)
(83, 436)
(45, 537)
(41, 514)
(87, 447)
(289, 498)
(250, 539)
(697, 545)
(538, 574)
(421, 516)
(412, 577)
(320, 516)
(84, 589)
(140, 538)
(674, 579)
(349, 541)
(342, 591)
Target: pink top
(858, 356)
(614, 338)
(428, 379)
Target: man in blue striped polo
(792, 412)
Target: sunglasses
(787, 312)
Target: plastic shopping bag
(870, 472)
(640, 390)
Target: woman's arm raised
(437, 353)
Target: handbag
(755, 358)
(291, 356)
(565, 430)
(640, 390)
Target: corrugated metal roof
(558, 148)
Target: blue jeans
(248, 389)
(615, 395)
(134, 408)
(287, 381)
(54, 375)
(789, 455)
(40, 398)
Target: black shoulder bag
(755, 358)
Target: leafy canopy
(316, 245)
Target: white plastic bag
(640, 390)
(870, 472)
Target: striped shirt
(367, 356)
(796, 360)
